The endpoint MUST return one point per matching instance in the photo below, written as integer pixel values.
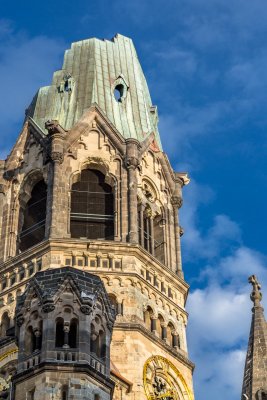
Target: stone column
(142, 207)
(57, 138)
(154, 324)
(152, 244)
(2, 225)
(66, 335)
(176, 202)
(38, 339)
(164, 331)
(132, 162)
(175, 340)
(119, 308)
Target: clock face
(163, 381)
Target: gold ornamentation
(163, 381)
(9, 353)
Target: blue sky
(205, 62)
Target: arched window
(158, 227)
(73, 333)
(92, 210)
(30, 341)
(113, 300)
(151, 231)
(34, 215)
(170, 332)
(5, 324)
(101, 346)
(148, 318)
(64, 392)
(59, 332)
(30, 394)
(93, 340)
(160, 327)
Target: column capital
(132, 162)
(176, 201)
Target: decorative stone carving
(20, 320)
(48, 307)
(132, 162)
(86, 309)
(176, 201)
(57, 156)
(149, 192)
(163, 381)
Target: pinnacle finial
(256, 294)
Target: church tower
(88, 188)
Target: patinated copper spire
(255, 373)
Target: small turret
(64, 324)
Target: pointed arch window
(34, 216)
(92, 209)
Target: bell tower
(88, 187)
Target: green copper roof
(91, 71)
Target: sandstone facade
(93, 135)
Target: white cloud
(219, 310)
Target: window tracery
(33, 217)
(92, 208)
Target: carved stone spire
(255, 373)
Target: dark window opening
(158, 226)
(31, 394)
(34, 215)
(39, 265)
(147, 234)
(148, 319)
(31, 269)
(101, 345)
(92, 210)
(114, 303)
(30, 341)
(5, 324)
(60, 333)
(119, 92)
(64, 395)
(21, 275)
(73, 333)
(12, 280)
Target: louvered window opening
(153, 242)
(92, 210)
(34, 217)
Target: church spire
(255, 373)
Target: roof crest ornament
(256, 294)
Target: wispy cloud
(25, 64)
(220, 308)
